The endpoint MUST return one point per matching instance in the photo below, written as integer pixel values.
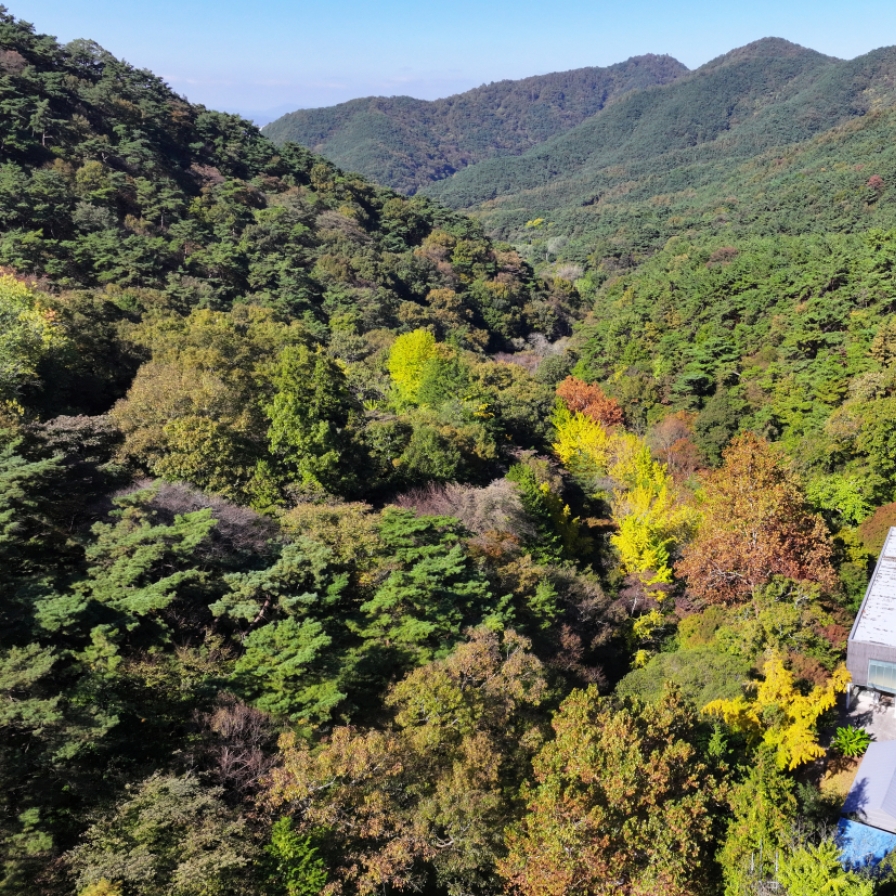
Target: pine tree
(309, 415)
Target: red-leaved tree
(590, 400)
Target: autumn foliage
(755, 526)
(672, 441)
(306, 559)
(429, 790)
(590, 400)
(622, 804)
(780, 715)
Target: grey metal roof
(876, 622)
(872, 796)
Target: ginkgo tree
(582, 444)
(650, 517)
(779, 715)
(652, 521)
(407, 360)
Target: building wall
(858, 653)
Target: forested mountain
(109, 178)
(406, 143)
(696, 131)
(344, 552)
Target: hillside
(817, 186)
(109, 180)
(405, 143)
(653, 147)
(713, 102)
(343, 553)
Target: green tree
(433, 592)
(298, 869)
(138, 564)
(309, 415)
(431, 454)
(816, 871)
(289, 615)
(763, 808)
(24, 518)
(172, 837)
(444, 377)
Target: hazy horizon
(275, 57)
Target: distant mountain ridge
(407, 143)
(643, 157)
(594, 151)
(763, 94)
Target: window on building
(882, 676)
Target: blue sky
(276, 55)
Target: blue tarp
(862, 845)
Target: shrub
(496, 508)
(851, 741)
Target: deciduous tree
(653, 522)
(779, 715)
(429, 795)
(582, 444)
(407, 360)
(172, 836)
(756, 525)
(28, 332)
(590, 400)
(623, 802)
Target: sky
(265, 57)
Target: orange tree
(590, 400)
(756, 525)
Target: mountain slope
(711, 103)
(406, 143)
(110, 180)
(678, 137)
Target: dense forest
(405, 143)
(348, 550)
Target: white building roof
(876, 622)
(872, 796)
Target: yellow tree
(779, 715)
(582, 443)
(651, 520)
(407, 358)
(28, 331)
